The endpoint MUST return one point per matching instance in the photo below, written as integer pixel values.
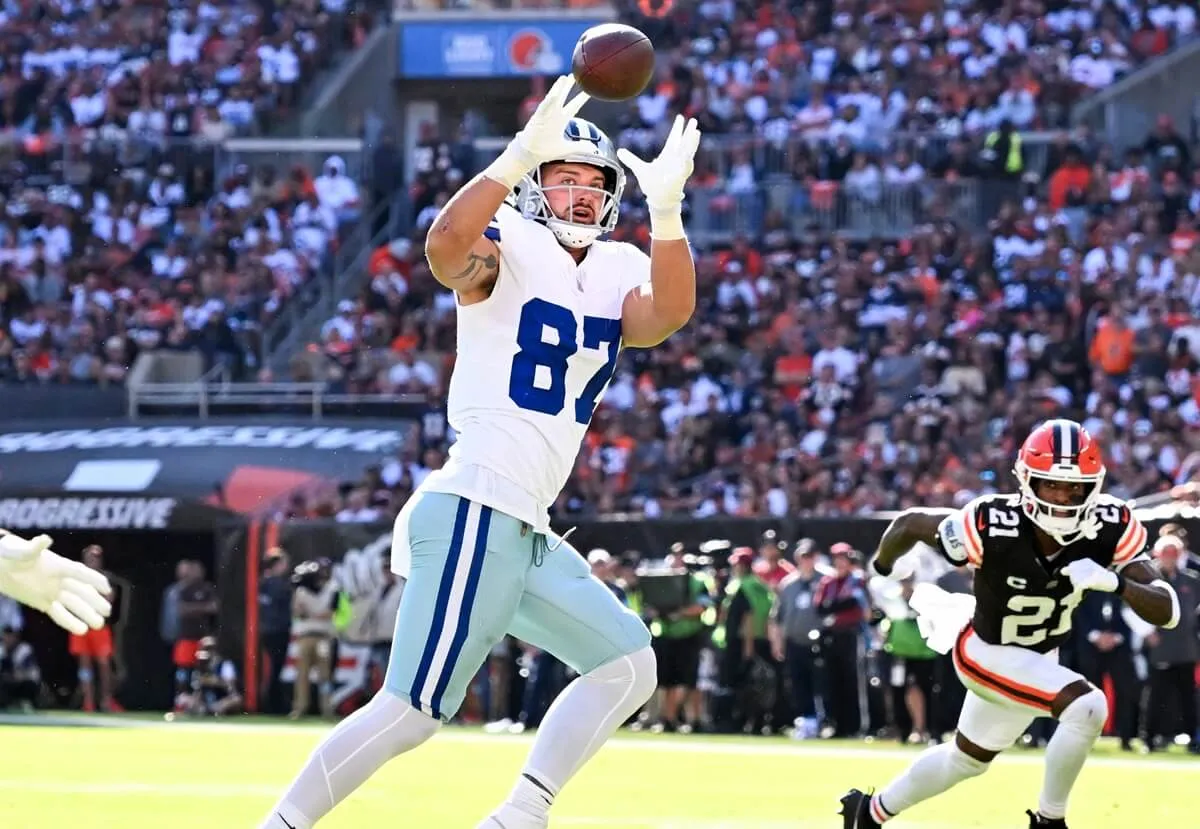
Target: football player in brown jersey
(1034, 554)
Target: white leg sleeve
(935, 770)
(1079, 726)
(356, 748)
(585, 714)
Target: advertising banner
(487, 49)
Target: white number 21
(1003, 523)
(1034, 612)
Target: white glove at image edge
(72, 594)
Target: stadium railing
(283, 154)
(213, 395)
(70, 158)
(717, 216)
(718, 153)
(299, 321)
(1125, 112)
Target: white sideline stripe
(702, 746)
(693, 745)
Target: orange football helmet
(1062, 451)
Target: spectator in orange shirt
(1073, 177)
(750, 259)
(1112, 346)
(389, 258)
(793, 369)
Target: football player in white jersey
(544, 307)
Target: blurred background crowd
(786, 637)
(888, 300)
(119, 232)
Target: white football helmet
(592, 147)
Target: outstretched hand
(74, 595)
(544, 136)
(663, 179)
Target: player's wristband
(1121, 582)
(667, 225)
(512, 166)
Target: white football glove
(543, 138)
(663, 179)
(1086, 574)
(69, 592)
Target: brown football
(613, 62)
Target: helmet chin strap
(572, 235)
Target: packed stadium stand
(893, 288)
(126, 228)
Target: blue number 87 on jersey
(536, 316)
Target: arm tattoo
(476, 264)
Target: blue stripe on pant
(448, 612)
(464, 618)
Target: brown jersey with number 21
(1021, 597)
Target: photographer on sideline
(214, 683)
(313, 603)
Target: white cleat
(498, 727)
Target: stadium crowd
(823, 372)
(829, 375)
(866, 70)
(837, 373)
(121, 230)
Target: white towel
(941, 616)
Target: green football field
(141, 774)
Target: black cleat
(1036, 821)
(856, 811)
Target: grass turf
(187, 775)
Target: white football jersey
(533, 362)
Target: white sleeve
(635, 270)
(509, 227)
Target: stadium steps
(1124, 113)
(347, 280)
(357, 85)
